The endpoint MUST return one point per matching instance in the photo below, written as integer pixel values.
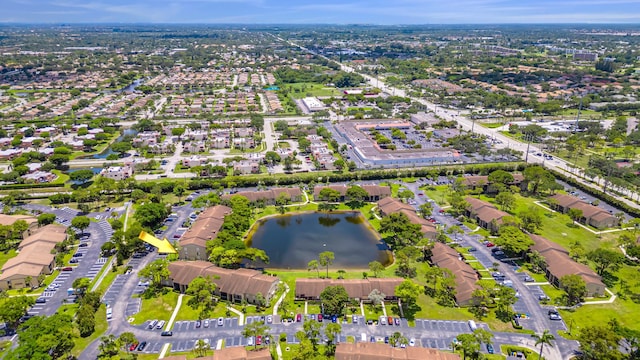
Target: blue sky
(322, 11)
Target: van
(472, 325)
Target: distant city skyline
(322, 12)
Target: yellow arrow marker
(164, 246)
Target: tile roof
(356, 288)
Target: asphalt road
(527, 303)
(90, 263)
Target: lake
(292, 240)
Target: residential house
(474, 181)
(8, 220)
(465, 276)
(195, 147)
(193, 243)
(39, 177)
(310, 289)
(559, 264)
(233, 285)
(484, 213)
(389, 205)
(193, 161)
(268, 197)
(35, 258)
(375, 192)
(117, 172)
(380, 351)
(246, 167)
(591, 215)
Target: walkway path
(281, 299)
(237, 312)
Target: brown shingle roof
(390, 205)
(379, 351)
(239, 281)
(44, 234)
(565, 200)
(372, 190)
(206, 226)
(10, 219)
(272, 194)
(36, 254)
(465, 276)
(22, 269)
(560, 264)
(356, 288)
(485, 211)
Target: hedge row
(307, 178)
(30, 186)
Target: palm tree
(545, 338)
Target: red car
(133, 346)
(259, 340)
(490, 244)
(320, 317)
(299, 318)
(68, 268)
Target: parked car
(354, 319)
(205, 323)
(258, 340)
(334, 318)
(397, 321)
(319, 317)
(198, 323)
(84, 244)
(68, 268)
(167, 333)
(269, 319)
(41, 300)
(490, 244)
(160, 324)
(390, 320)
(152, 324)
(220, 321)
(383, 320)
(74, 261)
(490, 348)
(250, 341)
(298, 317)
(77, 254)
(142, 346)
(133, 346)
(412, 342)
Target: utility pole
(527, 137)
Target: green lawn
(437, 193)
(101, 326)
(186, 313)
(492, 125)
(158, 308)
(302, 90)
(5, 256)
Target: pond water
(292, 240)
(108, 151)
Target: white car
(412, 342)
